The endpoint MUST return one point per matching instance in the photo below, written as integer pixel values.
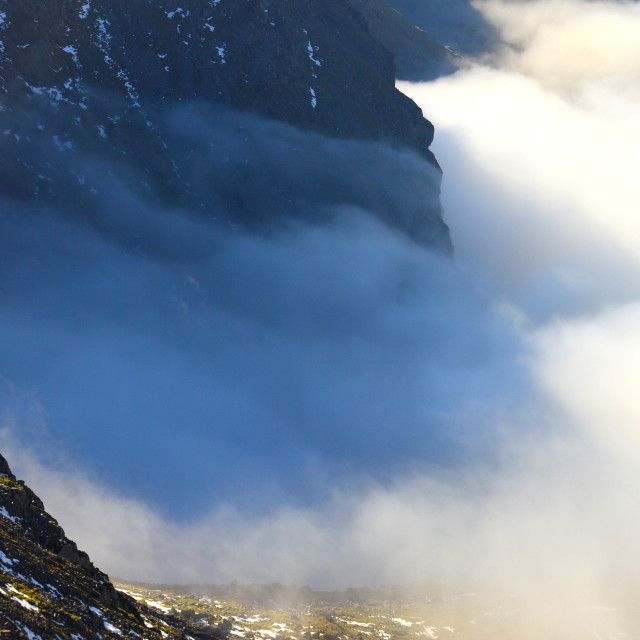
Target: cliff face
(96, 78)
(311, 63)
(418, 56)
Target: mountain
(50, 590)
(458, 23)
(418, 55)
(89, 90)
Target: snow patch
(70, 49)
(311, 51)
(109, 627)
(179, 11)
(133, 96)
(30, 634)
(104, 37)
(21, 601)
(5, 513)
(404, 623)
(4, 558)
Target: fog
(248, 370)
(332, 405)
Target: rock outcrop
(50, 590)
(418, 56)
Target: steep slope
(87, 87)
(51, 590)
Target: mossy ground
(379, 615)
(45, 596)
(317, 620)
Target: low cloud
(256, 368)
(586, 51)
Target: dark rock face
(307, 62)
(22, 505)
(86, 86)
(4, 468)
(50, 589)
(458, 23)
(418, 55)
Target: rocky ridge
(50, 590)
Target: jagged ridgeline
(50, 590)
(94, 91)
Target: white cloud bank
(540, 148)
(540, 152)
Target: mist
(252, 370)
(333, 405)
